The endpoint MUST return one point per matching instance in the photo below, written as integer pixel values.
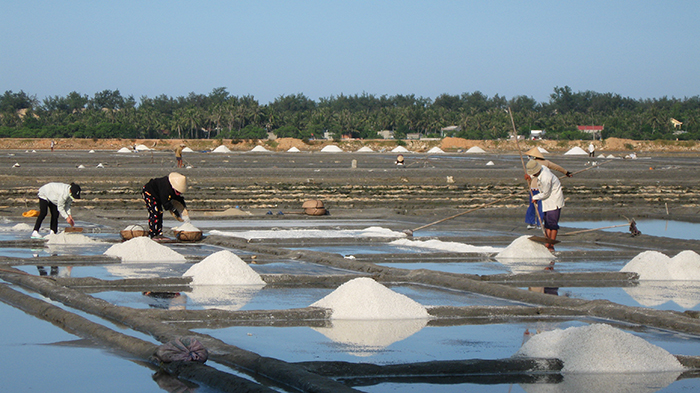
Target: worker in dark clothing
(164, 193)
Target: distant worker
(552, 198)
(530, 216)
(591, 150)
(178, 155)
(53, 144)
(399, 160)
(164, 193)
(57, 198)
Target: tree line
(108, 114)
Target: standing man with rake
(552, 198)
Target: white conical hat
(178, 182)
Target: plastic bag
(183, 349)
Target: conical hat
(178, 182)
(535, 152)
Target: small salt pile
(221, 149)
(653, 265)
(21, 227)
(124, 150)
(223, 268)
(293, 149)
(331, 149)
(259, 148)
(475, 149)
(490, 163)
(599, 348)
(365, 149)
(142, 148)
(576, 151)
(311, 233)
(187, 150)
(143, 249)
(400, 149)
(436, 150)
(364, 298)
(523, 248)
(69, 238)
(187, 227)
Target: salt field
(352, 300)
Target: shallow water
(77, 366)
(665, 228)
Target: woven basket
(188, 236)
(130, 234)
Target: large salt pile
(576, 151)
(435, 150)
(259, 149)
(475, 149)
(221, 149)
(69, 238)
(223, 268)
(331, 149)
(143, 249)
(365, 149)
(434, 244)
(599, 348)
(124, 150)
(364, 298)
(400, 149)
(653, 265)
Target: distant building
(596, 131)
(537, 134)
(450, 129)
(413, 135)
(386, 134)
(676, 123)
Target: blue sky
(265, 48)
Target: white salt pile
(134, 227)
(653, 265)
(365, 149)
(187, 150)
(91, 151)
(576, 151)
(124, 150)
(542, 150)
(475, 149)
(221, 149)
(142, 148)
(523, 248)
(400, 149)
(293, 149)
(187, 227)
(364, 298)
(490, 163)
(223, 268)
(311, 233)
(435, 150)
(599, 348)
(331, 149)
(69, 238)
(435, 244)
(81, 166)
(259, 149)
(21, 227)
(143, 249)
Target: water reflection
(223, 297)
(366, 337)
(654, 293)
(618, 382)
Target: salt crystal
(599, 348)
(223, 268)
(434, 244)
(364, 298)
(143, 249)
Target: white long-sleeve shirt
(59, 195)
(551, 194)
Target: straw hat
(533, 167)
(178, 182)
(535, 152)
